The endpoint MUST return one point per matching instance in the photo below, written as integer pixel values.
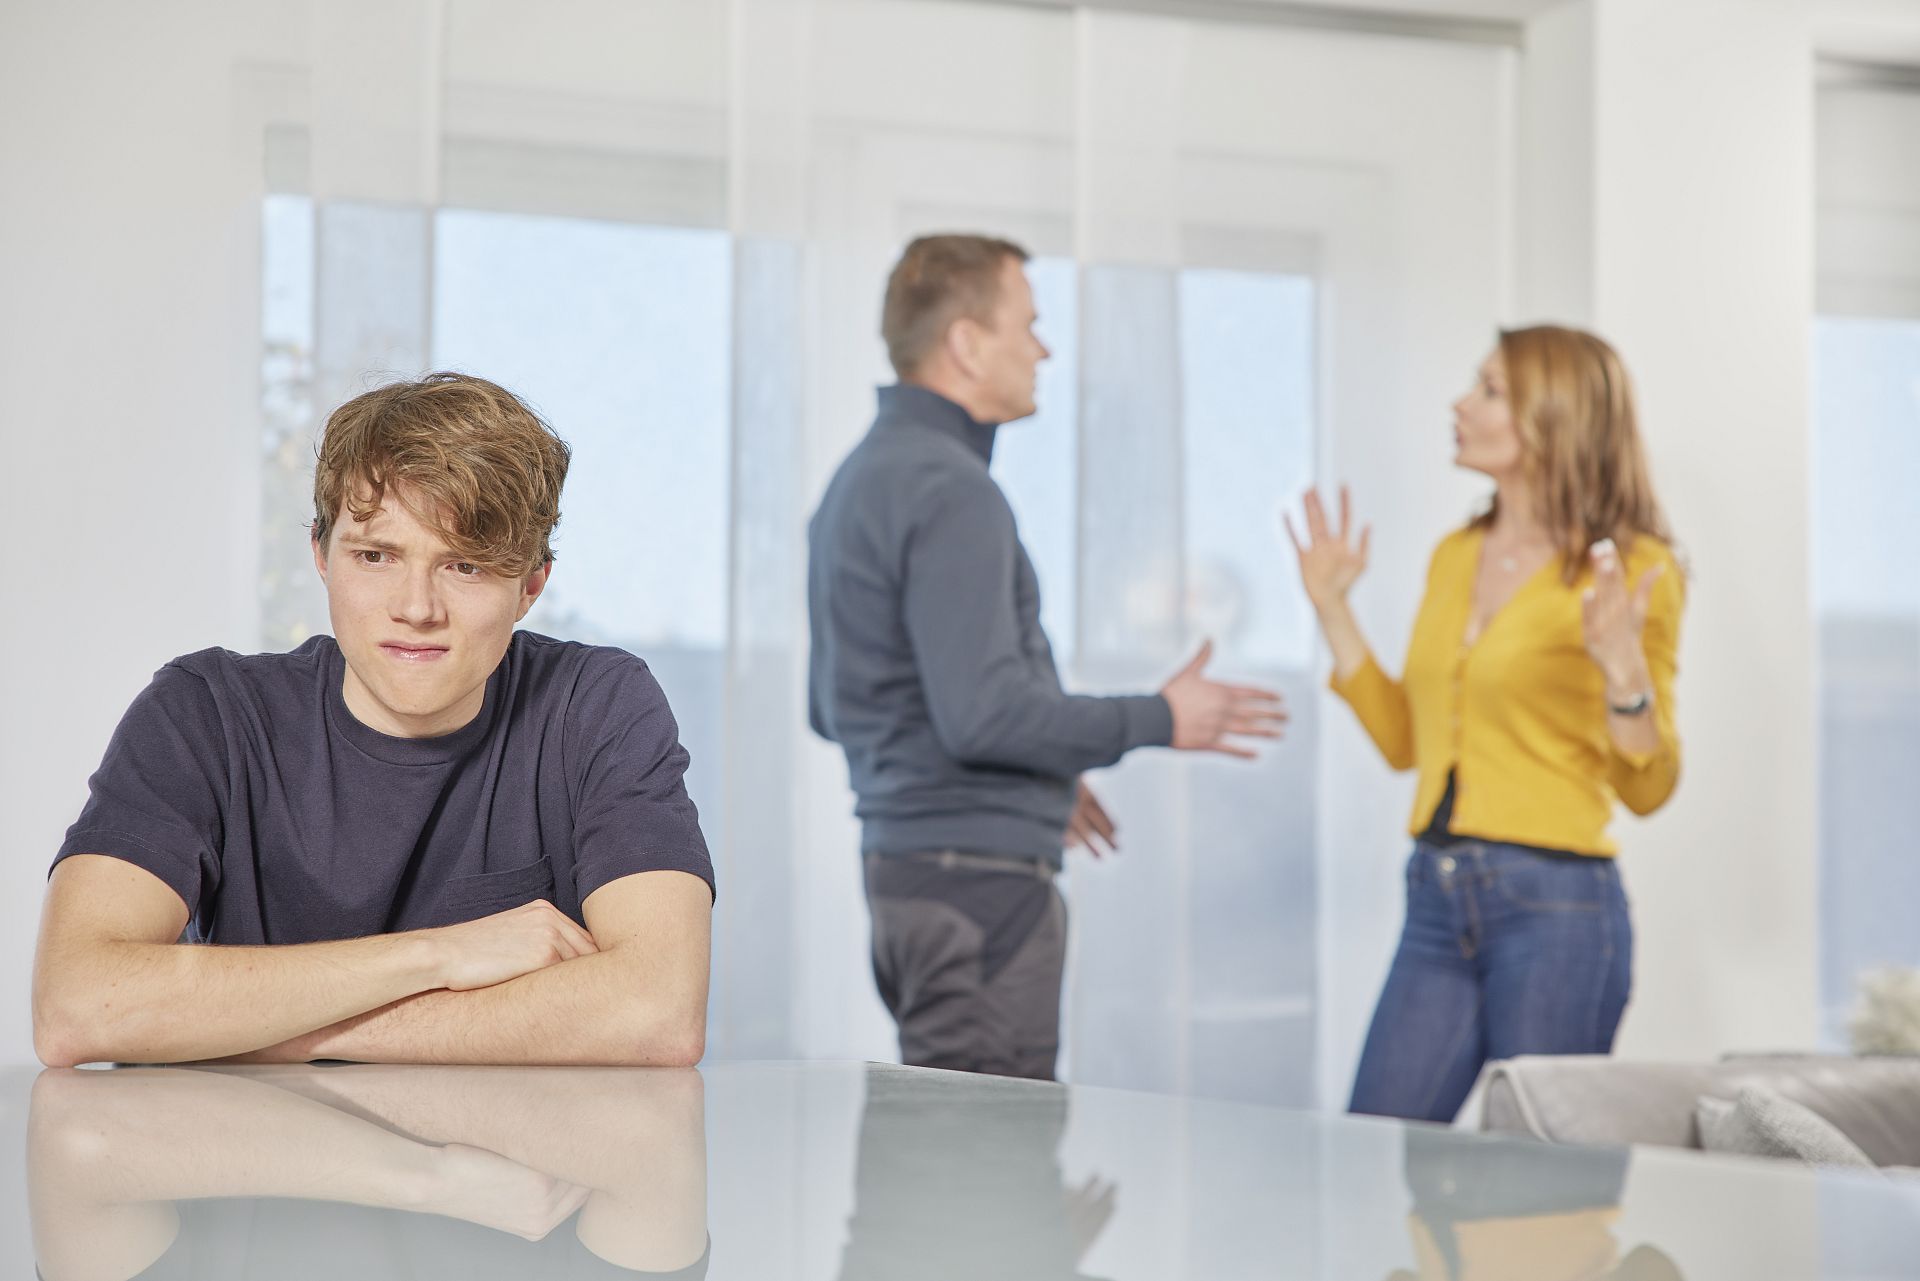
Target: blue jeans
(1505, 951)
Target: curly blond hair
(467, 456)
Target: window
(622, 334)
(619, 335)
(1867, 603)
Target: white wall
(128, 397)
(1699, 243)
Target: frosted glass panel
(1131, 519)
(1247, 391)
(755, 924)
(1202, 420)
(1246, 382)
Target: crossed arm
(518, 1151)
(112, 982)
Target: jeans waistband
(1474, 847)
(951, 860)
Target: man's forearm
(144, 1002)
(604, 1009)
(610, 1129)
(181, 1134)
(1030, 725)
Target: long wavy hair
(1573, 408)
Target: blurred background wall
(1272, 241)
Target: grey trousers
(968, 954)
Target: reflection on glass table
(367, 1172)
(862, 1172)
(939, 1196)
(1524, 1212)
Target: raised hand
(1330, 560)
(1208, 713)
(1089, 825)
(507, 944)
(1612, 619)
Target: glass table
(862, 1173)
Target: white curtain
(1262, 255)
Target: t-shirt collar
(439, 750)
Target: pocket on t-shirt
(483, 894)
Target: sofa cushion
(1763, 1122)
(1875, 1102)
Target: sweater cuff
(1146, 720)
(1366, 677)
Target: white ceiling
(1501, 10)
(1854, 14)
(1870, 30)
(1882, 31)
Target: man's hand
(506, 945)
(1088, 1208)
(1207, 713)
(1089, 825)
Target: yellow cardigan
(1520, 716)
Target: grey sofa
(1603, 1100)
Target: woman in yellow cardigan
(1538, 688)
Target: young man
(427, 838)
(930, 668)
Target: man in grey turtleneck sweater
(930, 669)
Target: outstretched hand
(1208, 714)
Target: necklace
(1508, 562)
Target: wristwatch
(1635, 706)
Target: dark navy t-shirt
(243, 782)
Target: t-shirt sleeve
(157, 800)
(633, 813)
